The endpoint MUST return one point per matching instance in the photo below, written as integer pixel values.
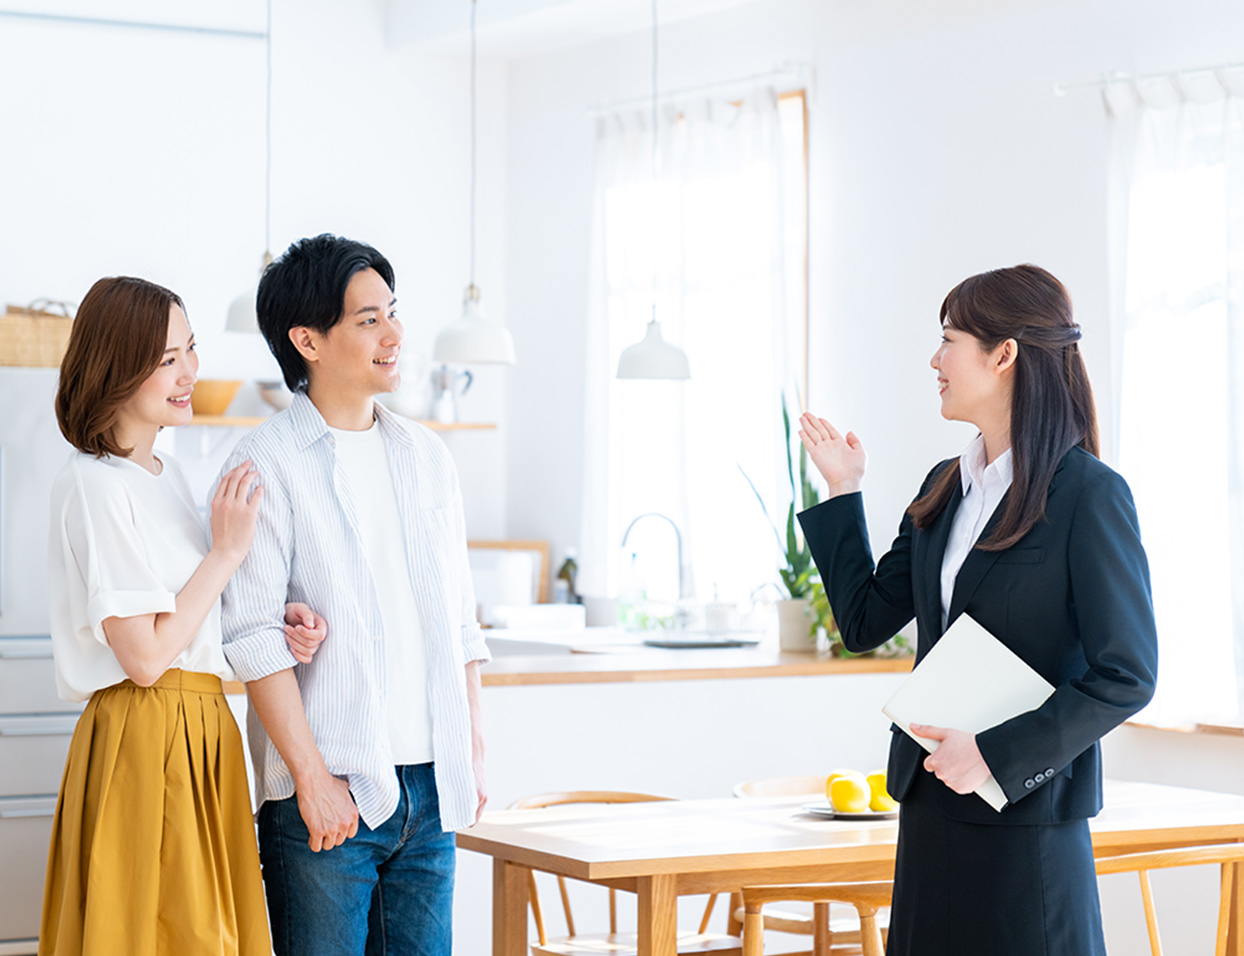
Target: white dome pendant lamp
(473, 339)
(242, 316)
(654, 357)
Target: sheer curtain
(704, 241)
(1178, 171)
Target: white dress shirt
(124, 542)
(983, 487)
(308, 548)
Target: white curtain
(1178, 338)
(703, 240)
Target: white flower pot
(795, 625)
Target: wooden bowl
(212, 396)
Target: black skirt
(980, 890)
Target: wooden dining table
(660, 851)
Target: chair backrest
(867, 898)
(782, 787)
(541, 800)
(1228, 855)
(583, 796)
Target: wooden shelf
(248, 421)
(229, 421)
(456, 426)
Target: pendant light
(473, 339)
(654, 357)
(242, 315)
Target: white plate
(825, 809)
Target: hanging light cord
(654, 90)
(472, 143)
(654, 159)
(267, 173)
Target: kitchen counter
(652, 664)
(598, 655)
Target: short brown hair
(117, 341)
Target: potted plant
(805, 610)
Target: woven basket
(34, 336)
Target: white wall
(937, 151)
(126, 151)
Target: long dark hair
(115, 343)
(1052, 408)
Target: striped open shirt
(307, 548)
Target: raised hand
(235, 509)
(840, 460)
(304, 631)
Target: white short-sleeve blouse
(123, 543)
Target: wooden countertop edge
(1217, 729)
(552, 670)
(622, 669)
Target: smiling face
(973, 382)
(357, 357)
(164, 398)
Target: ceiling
(512, 29)
(509, 29)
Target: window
(718, 242)
(1180, 410)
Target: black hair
(306, 286)
(1052, 409)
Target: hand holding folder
(969, 681)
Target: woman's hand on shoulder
(235, 510)
(304, 631)
(840, 459)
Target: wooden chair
(867, 898)
(831, 933)
(812, 787)
(1228, 855)
(612, 943)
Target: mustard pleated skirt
(153, 846)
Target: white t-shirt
(123, 543)
(365, 463)
(983, 489)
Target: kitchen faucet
(682, 582)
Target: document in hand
(969, 681)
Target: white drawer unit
(28, 678)
(25, 829)
(32, 752)
(36, 727)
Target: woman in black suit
(1035, 538)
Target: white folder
(969, 681)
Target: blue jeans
(384, 892)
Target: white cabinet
(35, 729)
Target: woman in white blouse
(1035, 538)
(153, 846)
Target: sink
(506, 641)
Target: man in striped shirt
(369, 757)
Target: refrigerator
(35, 724)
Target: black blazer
(1071, 598)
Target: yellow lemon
(834, 776)
(880, 800)
(849, 793)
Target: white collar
(973, 470)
